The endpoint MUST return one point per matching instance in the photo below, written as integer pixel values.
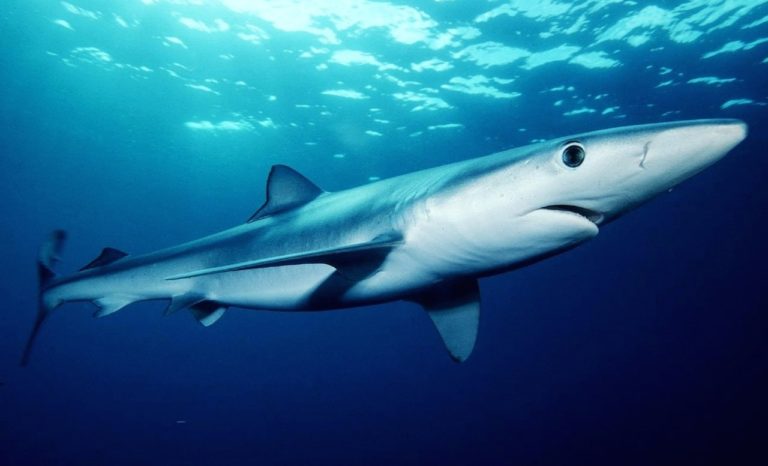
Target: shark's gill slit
(645, 154)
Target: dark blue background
(644, 346)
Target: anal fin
(454, 307)
(110, 305)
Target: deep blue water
(142, 124)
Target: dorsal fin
(286, 189)
(107, 256)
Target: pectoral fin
(337, 257)
(454, 307)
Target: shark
(425, 237)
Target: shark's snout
(721, 136)
(738, 128)
(675, 152)
(690, 147)
(733, 130)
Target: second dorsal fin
(107, 256)
(286, 189)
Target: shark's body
(425, 236)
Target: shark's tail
(48, 256)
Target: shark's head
(601, 175)
(519, 206)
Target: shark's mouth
(591, 215)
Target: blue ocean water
(140, 124)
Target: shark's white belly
(277, 288)
(312, 286)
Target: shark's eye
(573, 155)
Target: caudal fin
(49, 254)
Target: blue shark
(425, 237)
